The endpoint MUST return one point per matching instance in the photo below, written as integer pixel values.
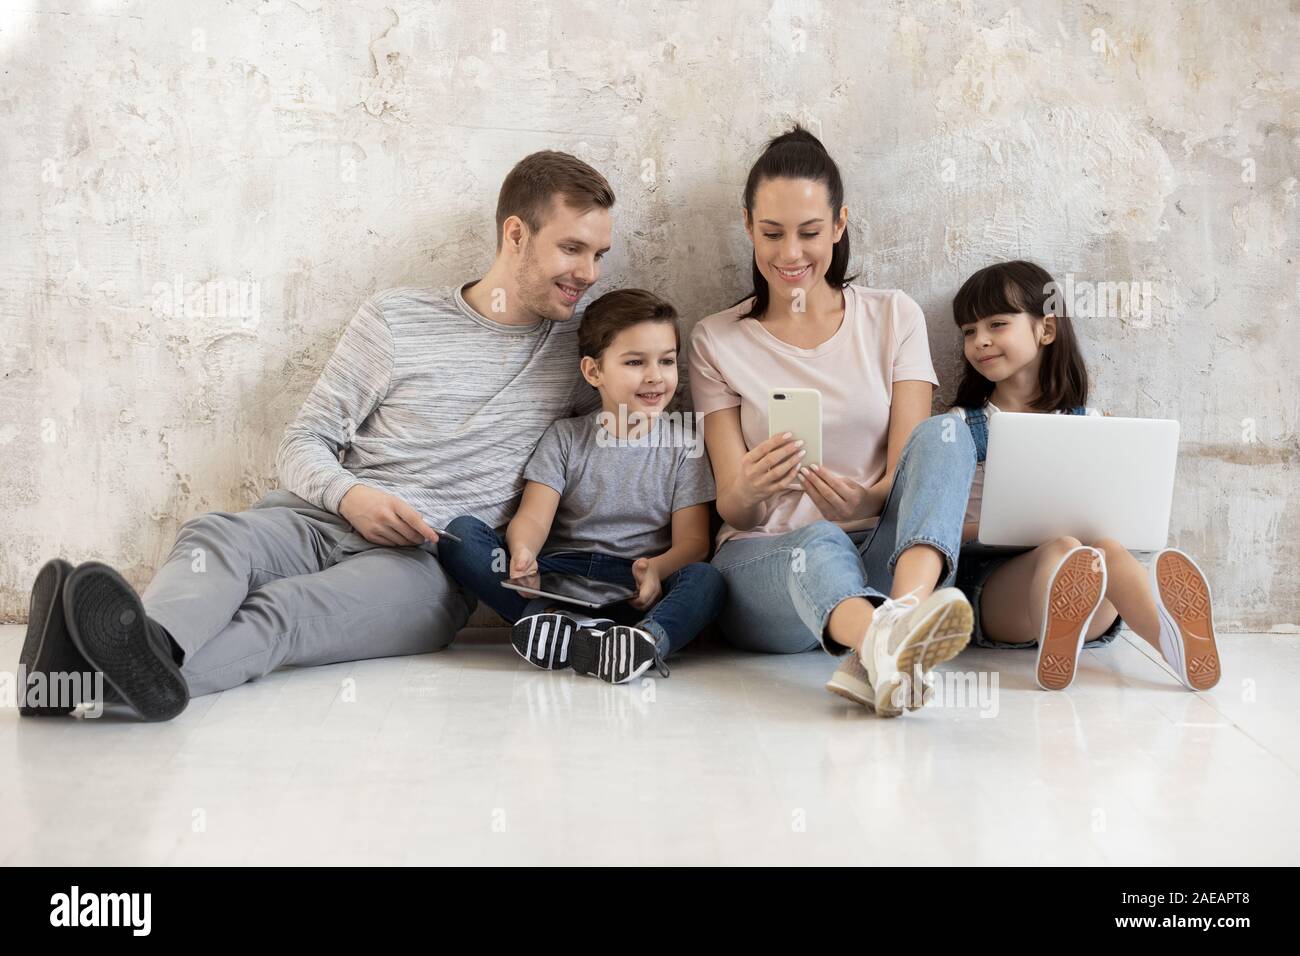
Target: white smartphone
(798, 411)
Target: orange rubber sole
(1186, 596)
(1072, 600)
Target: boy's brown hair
(618, 310)
(537, 178)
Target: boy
(620, 495)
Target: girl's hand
(836, 497)
(767, 469)
(523, 563)
(649, 587)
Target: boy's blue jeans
(692, 596)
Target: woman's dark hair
(1006, 288)
(797, 154)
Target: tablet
(571, 589)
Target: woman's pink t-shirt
(882, 340)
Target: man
(429, 407)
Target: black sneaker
(617, 654)
(107, 624)
(546, 640)
(48, 651)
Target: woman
(808, 554)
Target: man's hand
(837, 498)
(649, 587)
(382, 518)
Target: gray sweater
(431, 401)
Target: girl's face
(638, 369)
(1002, 345)
(561, 261)
(794, 231)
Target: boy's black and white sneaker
(617, 654)
(546, 640)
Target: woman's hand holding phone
(839, 498)
(768, 468)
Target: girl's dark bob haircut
(1008, 288)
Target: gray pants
(289, 583)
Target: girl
(856, 555)
(1022, 356)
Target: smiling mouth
(987, 358)
(793, 275)
(572, 293)
(650, 398)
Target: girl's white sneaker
(1182, 598)
(1075, 592)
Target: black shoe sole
(47, 649)
(544, 640)
(616, 655)
(107, 623)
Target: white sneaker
(1073, 596)
(852, 682)
(907, 638)
(1186, 619)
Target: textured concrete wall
(285, 159)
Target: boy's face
(638, 369)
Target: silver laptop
(1086, 476)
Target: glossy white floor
(472, 756)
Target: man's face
(561, 261)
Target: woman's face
(794, 231)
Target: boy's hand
(649, 588)
(523, 563)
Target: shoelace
(894, 608)
(660, 666)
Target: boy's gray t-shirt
(618, 497)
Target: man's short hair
(531, 186)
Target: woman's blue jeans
(781, 589)
(692, 596)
